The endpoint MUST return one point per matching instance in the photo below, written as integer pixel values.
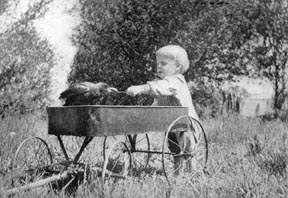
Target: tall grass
(247, 158)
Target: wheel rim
(30, 160)
(192, 159)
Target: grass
(247, 158)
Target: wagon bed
(104, 120)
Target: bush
(206, 97)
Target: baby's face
(166, 67)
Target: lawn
(247, 158)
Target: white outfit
(172, 91)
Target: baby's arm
(164, 87)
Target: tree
(25, 62)
(118, 39)
(270, 20)
(241, 38)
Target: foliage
(241, 38)
(3, 6)
(206, 97)
(118, 39)
(25, 61)
(270, 21)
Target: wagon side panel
(138, 120)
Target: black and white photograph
(144, 98)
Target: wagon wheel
(187, 148)
(29, 161)
(139, 148)
(117, 160)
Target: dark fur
(84, 93)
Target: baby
(171, 90)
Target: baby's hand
(134, 90)
(137, 90)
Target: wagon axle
(159, 152)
